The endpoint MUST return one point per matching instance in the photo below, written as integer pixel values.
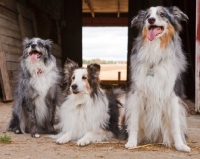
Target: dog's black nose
(33, 46)
(151, 20)
(74, 86)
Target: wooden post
(197, 68)
(72, 31)
(119, 76)
(5, 83)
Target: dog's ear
(138, 20)
(94, 70)
(178, 14)
(47, 44)
(26, 42)
(69, 68)
(93, 74)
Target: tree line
(99, 61)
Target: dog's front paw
(83, 142)
(130, 145)
(62, 140)
(35, 135)
(16, 130)
(183, 147)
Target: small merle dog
(37, 92)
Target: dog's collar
(39, 71)
(151, 70)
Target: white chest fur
(41, 82)
(154, 71)
(80, 114)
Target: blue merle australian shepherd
(155, 110)
(37, 91)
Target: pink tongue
(152, 33)
(34, 57)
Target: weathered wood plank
(11, 33)
(34, 26)
(28, 28)
(8, 24)
(56, 47)
(10, 49)
(11, 4)
(25, 12)
(12, 58)
(13, 65)
(56, 50)
(21, 26)
(5, 83)
(27, 22)
(11, 41)
(13, 75)
(9, 14)
(197, 68)
(13, 21)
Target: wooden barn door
(27, 22)
(5, 83)
(8, 31)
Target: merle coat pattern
(37, 92)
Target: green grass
(5, 139)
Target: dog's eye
(162, 14)
(40, 44)
(28, 45)
(84, 78)
(148, 16)
(73, 77)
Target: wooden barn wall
(11, 35)
(11, 38)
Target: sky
(105, 43)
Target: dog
(37, 92)
(89, 114)
(155, 111)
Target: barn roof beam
(118, 12)
(90, 7)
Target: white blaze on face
(80, 78)
(153, 12)
(157, 27)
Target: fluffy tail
(116, 99)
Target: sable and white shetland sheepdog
(155, 111)
(37, 92)
(88, 114)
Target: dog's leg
(176, 126)
(132, 107)
(14, 124)
(91, 137)
(51, 101)
(31, 117)
(65, 138)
